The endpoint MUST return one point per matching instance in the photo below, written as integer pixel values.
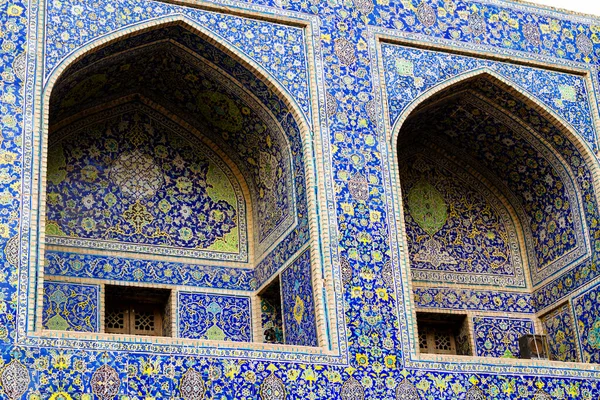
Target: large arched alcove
(497, 196)
(165, 148)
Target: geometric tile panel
(587, 323)
(299, 319)
(499, 336)
(71, 307)
(214, 317)
(560, 333)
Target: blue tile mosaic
(214, 317)
(243, 129)
(499, 336)
(298, 304)
(560, 333)
(457, 230)
(285, 59)
(375, 360)
(587, 323)
(410, 72)
(71, 307)
(475, 300)
(543, 193)
(126, 176)
(521, 30)
(124, 269)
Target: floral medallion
(426, 14)
(407, 391)
(191, 386)
(359, 187)
(272, 388)
(345, 51)
(105, 382)
(14, 379)
(352, 390)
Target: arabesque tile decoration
(208, 316)
(71, 307)
(499, 337)
(561, 335)
(325, 56)
(124, 176)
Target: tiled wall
(587, 323)
(499, 336)
(214, 317)
(457, 230)
(560, 333)
(330, 70)
(126, 269)
(71, 307)
(298, 305)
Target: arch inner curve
(494, 193)
(173, 162)
(232, 111)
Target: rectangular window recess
(270, 313)
(137, 311)
(443, 334)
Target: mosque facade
(299, 199)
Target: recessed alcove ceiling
(520, 154)
(226, 104)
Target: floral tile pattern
(214, 317)
(544, 194)
(476, 300)
(587, 323)
(560, 333)
(125, 178)
(150, 271)
(298, 305)
(411, 72)
(440, 238)
(71, 307)
(499, 337)
(336, 43)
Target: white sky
(583, 6)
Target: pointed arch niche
(497, 198)
(174, 164)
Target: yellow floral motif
(14, 10)
(298, 309)
(362, 359)
(390, 362)
(61, 396)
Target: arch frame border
(331, 336)
(387, 134)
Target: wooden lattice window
(438, 333)
(136, 311)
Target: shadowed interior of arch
(162, 146)
(495, 195)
